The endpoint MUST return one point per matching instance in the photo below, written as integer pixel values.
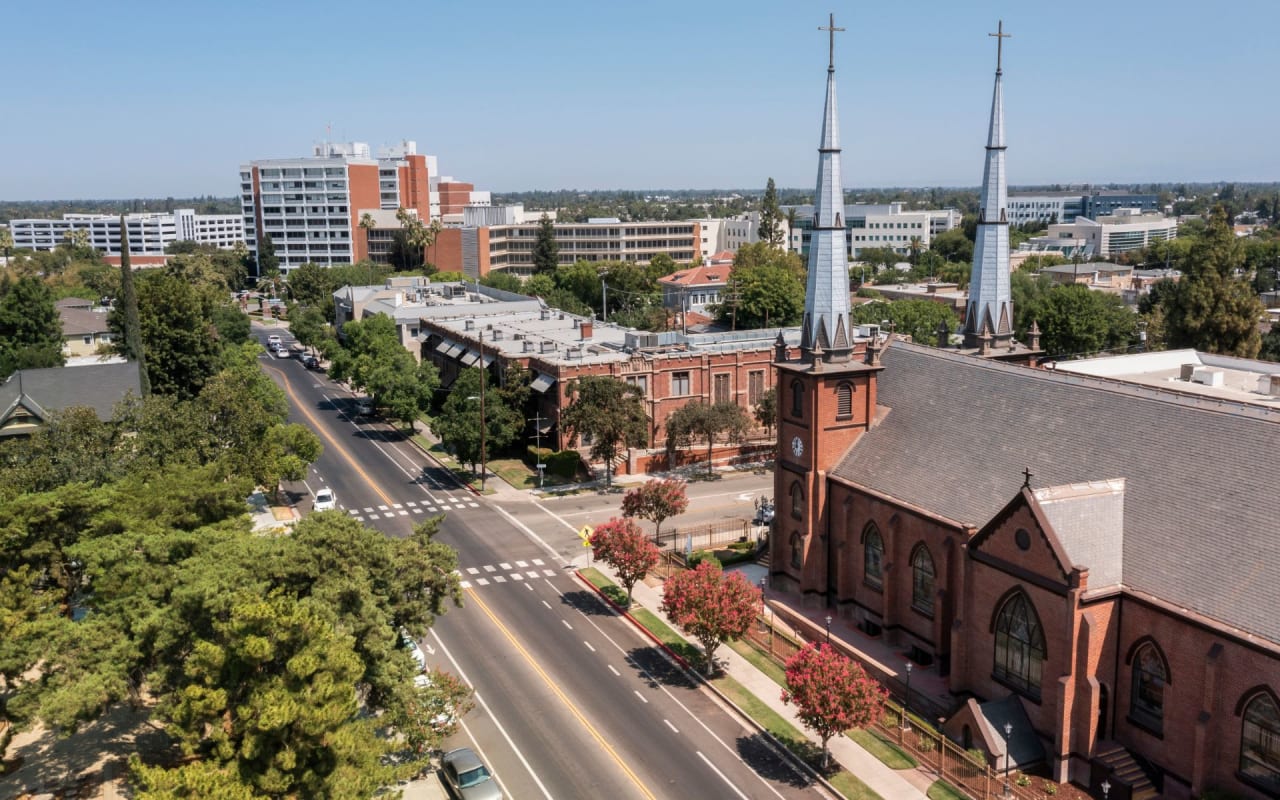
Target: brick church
(1101, 558)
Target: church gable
(1020, 541)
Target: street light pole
(906, 707)
(483, 454)
(828, 629)
(1008, 732)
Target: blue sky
(154, 99)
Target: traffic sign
(585, 534)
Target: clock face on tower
(797, 446)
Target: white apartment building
(1127, 230)
(1046, 207)
(149, 233)
(878, 226)
(510, 247)
(731, 234)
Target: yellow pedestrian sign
(585, 534)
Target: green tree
(503, 280)
(766, 288)
(611, 413)
(177, 334)
(770, 231)
(311, 328)
(30, 327)
(373, 360)
(268, 261)
(918, 319)
(1213, 307)
(311, 286)
(125, 321)
(1076, 321)
(698, 420)
(1028, 292)
(459, 422)
(766, 410)
(953, 245)
(546, 253)
(6, 242)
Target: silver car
(466, 777)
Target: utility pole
(604, 300)
(537, 435)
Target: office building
(149, 233)
(885, 225)
(1118, 233)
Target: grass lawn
(941, 790)
(522, 476)
(666, 635)
(888, 752)
(610, 589)
(761, 661)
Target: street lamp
(828, 629)
(1106, 788)
(484, 468)
(907, 705)
(1008, 732)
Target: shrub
(977, 756)
(1050, 788)
(698, 556)
(562, 464)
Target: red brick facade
(1087, 694)
(454, 196)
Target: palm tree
(915, 246)
(368, 223)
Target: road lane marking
(472, 571)
(465, 584)
(672, 727)
(397, 505)
(522, 564)
(537, 562)
(533, 573)
(499, 579)
(458, 668)
(614, 671)
(490, 568)
(723, 777)
(565, 622)
(504, 566)
(588, 644)
(643, 699)
(545, 603)
(558, 692)
(516, 576)
(482, 581)
(550, 573)
(529, 531)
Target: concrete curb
(777, 746)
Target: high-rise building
(311, 207)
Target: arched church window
(922, 580)
(1020, 651)
(1260, 743)
(797, 399)
(797, 500)
(844, 401)
(797, 555)
(1146, 704)
(872, 556)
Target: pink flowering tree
(711, 606)
(623, 546)
(831, 693)
(656, 501)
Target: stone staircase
(1122, 769)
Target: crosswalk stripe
(367, 510)
(482, 582)
(389, 514)
(417, 511)
(411, 504)
(382, 508)
(465, 584)
(404, 513)
(353, 511)
(473, 570)
(550, 573)
(499, 579)
(358, 519)
(504, 566)
(397, 505)
(522, 564)
(516, 576)
(537, 562)
(533, 573)
(473, 505)
(490, 568)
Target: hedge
(562, 464)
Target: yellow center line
(560, 694)
(320, 429)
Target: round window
(1023, 539)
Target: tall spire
(990, 298)
(826, 301)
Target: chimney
(780, 348)
(944, 334)
(586, 328)
(1033, 336)
(873, 352)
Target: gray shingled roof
(98, 386)
(1200, 481)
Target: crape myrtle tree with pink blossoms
(623, 546)
(656, 501)
(711, 606)
(832, 693)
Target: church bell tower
(826, 399)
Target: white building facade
(1117, 233)
(149, 234)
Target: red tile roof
(717, 275)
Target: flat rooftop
(1189, 372)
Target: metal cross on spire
(831, 29)
(1000, 37)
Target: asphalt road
(572, 701)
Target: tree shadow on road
(762, 755)
(588, 603)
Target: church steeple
(825, 333)
(990, 303)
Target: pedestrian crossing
(434, 506)
(505, 572)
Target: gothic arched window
(1260, 742)
(844, 401)
(1146, 701)
(1020, 652)
(797, 399)
(797, 555)
(873, 556)
(797, 501)
(922, 582)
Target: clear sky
(141, 98)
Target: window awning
(454, 351)
(444, 346)
(470, 358)
(542, 383)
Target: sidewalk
(888, 783)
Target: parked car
(444, 721)
(311, 362)
(325, 501)
(414, 650)
(466, 777)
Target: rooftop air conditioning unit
(528, 346)
(548, 346)
(468, 324)
(1208, 377)
(497, 335)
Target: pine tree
(268, 261)
(132, 348)
(770, 217)
(546, 253)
